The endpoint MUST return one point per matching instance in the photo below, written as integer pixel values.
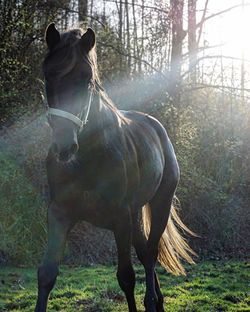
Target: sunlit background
(229, 29)
(227, 33)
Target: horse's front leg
(58, 228)
(125, 272)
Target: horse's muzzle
(64, 154)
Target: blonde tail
(172, 246)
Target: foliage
(213, 151)
(210, 286)
(21, 50)
(16, 40)
(22, 224)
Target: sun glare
(231, 30)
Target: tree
(83, 11)
(178, 35)
(192, 42)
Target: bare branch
(205, 86)
(219, 13)
(214, 57)
(144, 6)
(200, 49)
(132, 56)
(68, 10)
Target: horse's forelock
(71, 36)
(66, 54)
(69, 56)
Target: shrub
(22, 223)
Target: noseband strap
(76, 120)
(67, 115)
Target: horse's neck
(102, 119)
(100, 114)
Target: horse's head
(68, 76)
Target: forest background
(170, 58)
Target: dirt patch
(113, 296)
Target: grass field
(208, 286)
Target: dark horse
(115, 169)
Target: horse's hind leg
(58, 227)
(140, 244)
(125, 272)
(160, 208)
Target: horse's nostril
(64, 155)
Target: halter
(75, 119)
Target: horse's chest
(87, 205)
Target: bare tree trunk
(135, 41)
(91, 12)
(201, 23)
(178, 35)
(142, 34)
(192, 42)
(242, 76)
(128, 36)
(120, 31)
(232, 98)
(83, 11)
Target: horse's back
(145, 129)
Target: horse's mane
(92, 56)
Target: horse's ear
(52, 36)
(87, 40)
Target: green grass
(208, 286)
